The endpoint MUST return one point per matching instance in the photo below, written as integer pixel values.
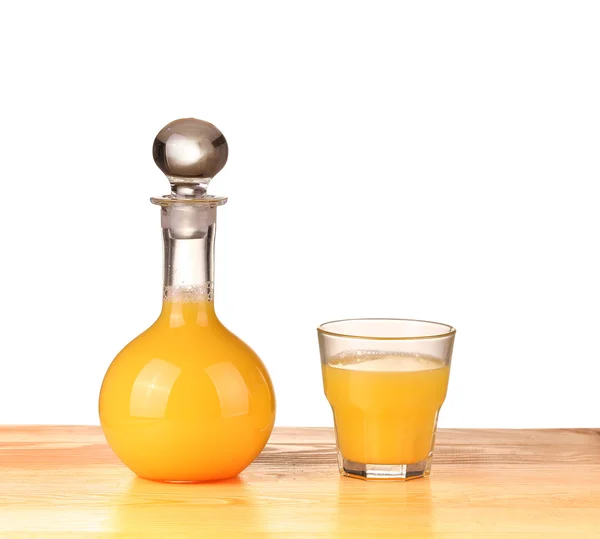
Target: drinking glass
(386, 380)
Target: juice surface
(386, 409)
(187, 400)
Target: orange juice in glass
(386, 380)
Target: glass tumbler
(386, 380)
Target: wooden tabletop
(60, 482)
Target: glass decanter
(187, 400)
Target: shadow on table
(259, 507)
(383, 508)
(220, 508)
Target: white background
(434, 160)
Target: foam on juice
(391, 363)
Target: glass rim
(450, 329)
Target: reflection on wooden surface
(64, 482)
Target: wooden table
(65, 482)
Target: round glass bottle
(187, 400)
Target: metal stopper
(190, 152)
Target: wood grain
(61, 482)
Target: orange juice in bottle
(187, 400)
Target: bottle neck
(189, 237)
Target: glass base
(385, 472)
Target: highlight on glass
(386, 380)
